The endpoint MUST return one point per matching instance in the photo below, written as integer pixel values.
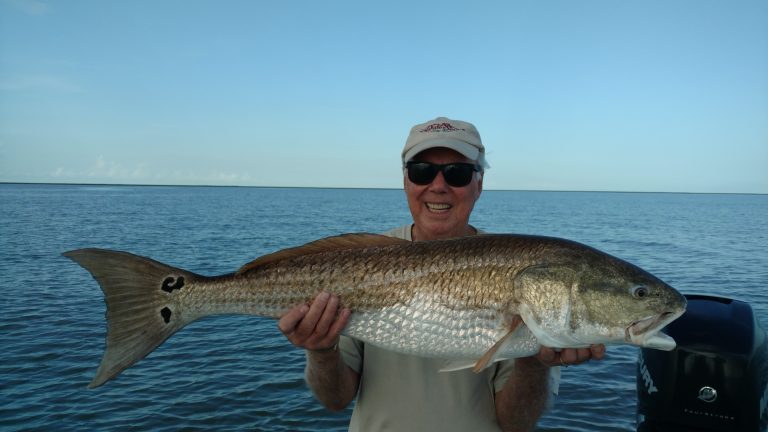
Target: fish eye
(639, 291)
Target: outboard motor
(717, 377)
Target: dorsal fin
(340, 242)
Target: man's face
(438, 209)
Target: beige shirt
(401, 393)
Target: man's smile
(438, 207)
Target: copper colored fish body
(472, 301)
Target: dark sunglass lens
(458, 175)
(422, 173)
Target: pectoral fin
(452, 366)
(517, 342)
(492, 355)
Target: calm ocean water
(238, 373)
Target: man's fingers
(547, 355)
(287, 323)
(315, 326)
(598, 351)
(328, 316)
(307, 325)
(339, 324)
(329, 338)
(570, 356)
(583, 354)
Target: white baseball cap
(456, 135)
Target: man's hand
(570, 356)
(316, 326)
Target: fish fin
(452, 366)
(492, 355)
(340, 242)
(140, 314)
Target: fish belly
(425, 327)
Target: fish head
(625, 302)
(600, 300)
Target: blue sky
(567, 95)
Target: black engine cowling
(717, 377)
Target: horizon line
(362, 188)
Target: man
(444, 163)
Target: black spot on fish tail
(166, 314)
(171, 283)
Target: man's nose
(438, 184)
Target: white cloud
(100, 162)
(108, 171)
(231, 178)
(103, 170)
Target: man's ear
(479, 185)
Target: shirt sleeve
(351, 353)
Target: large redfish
(472, 300)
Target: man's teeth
(434, 206)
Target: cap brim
(469, 151)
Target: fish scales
(370, 278)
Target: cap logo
(440, 127)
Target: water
(238, 373)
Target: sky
(657, 95)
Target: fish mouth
(646, 332)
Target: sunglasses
(455, 174)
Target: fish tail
(141, 311)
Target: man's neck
(419, 235)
